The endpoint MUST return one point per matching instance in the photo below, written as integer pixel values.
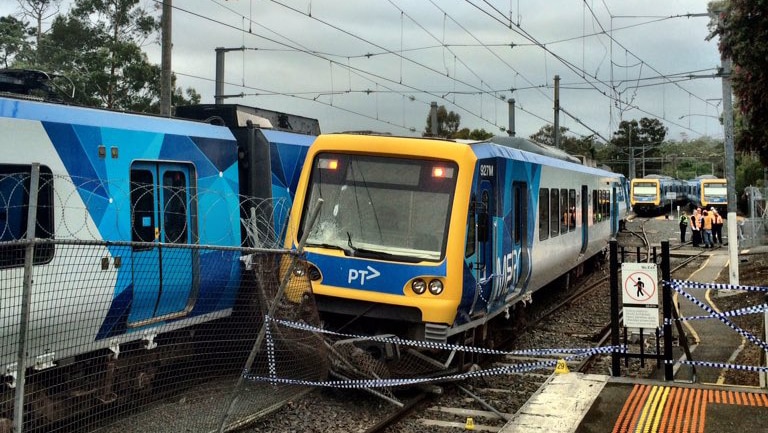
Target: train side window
(14, 208)
(565, 211)
(596, 207)
(470, 247)
(543, 213)
(554, 213)
(175, 207)
(572, 207)
(143, 205)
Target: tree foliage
(98, 45)
(448, 124)
(742, 26)
(13, 40)
(574, 146)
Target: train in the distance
(655, 194)
(707, 192)
(124, 200)
(430, 239)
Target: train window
(543, 213)
(143, 205)
(175, 207)
(14, 209)
(572, 207)
(554, 213)
(469, 249)
(565, 211)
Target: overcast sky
(378, 64)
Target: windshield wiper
(375, 254)
(330, 246)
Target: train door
(584, 218)
(614, 213)
(521, 253)
(164, 279)
(485, 274)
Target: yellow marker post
(470, 425)
(561, 367)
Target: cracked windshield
(379, 207)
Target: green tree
(13, 40)
(642, 139)
(98, 45)
(447, 123)
(574, 146)
(475, 134)
(742, 26)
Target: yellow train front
(707, 192)
(656, 194)
(425, 239)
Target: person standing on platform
(695, 228)
(706, 227)
(683, 227)
(717, 228)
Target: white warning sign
(640, 295)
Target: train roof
(13, 107)
(490, 149)
(238, 116)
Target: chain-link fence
(133, 307)
(752, 229)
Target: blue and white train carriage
(114, 178)
(426, 239)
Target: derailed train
(430, 239)
(112, 178)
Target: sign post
(640, 295)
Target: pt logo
(362, 274)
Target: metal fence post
(26, 298)
(614, 283)
(667, 310)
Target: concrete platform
(579, 403)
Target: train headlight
(418, 286)
(435, 287)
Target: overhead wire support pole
(557, 112)
(730, 176)
(219, 95)
(166, 80)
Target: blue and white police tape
(389, 383)
(422, 344)
(733, 313)
(717, 286)
(721, 365)
(271, 362)
(721, 317)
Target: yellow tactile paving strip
(662, 409)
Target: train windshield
(644, 189)
(715, 190)
(381, 207)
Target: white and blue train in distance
(119, 177)
(430, 239)
(656, 194)
(708, 191)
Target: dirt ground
(753, 271)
